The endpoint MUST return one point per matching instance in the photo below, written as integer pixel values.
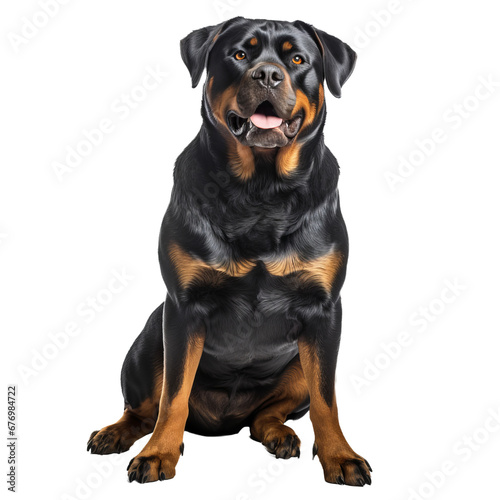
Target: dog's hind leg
(289, 399)
(142, 380)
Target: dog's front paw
(351, 469)
(108, 440)
(282, 442)
(146, 469)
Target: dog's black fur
(253, 250)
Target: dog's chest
(273, 284)
(256, 227)
(260, 313)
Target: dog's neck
(258, 165)
(254, 214)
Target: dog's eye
(297, 60)
(240, 55)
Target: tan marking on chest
(322, 269)
(189, 268)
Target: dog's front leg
(318, 349)
(183, 343)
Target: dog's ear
(196, 47)
(338, 58)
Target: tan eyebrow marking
(287, 46)
(254, 41)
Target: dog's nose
(268, 75)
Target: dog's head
(264, 87)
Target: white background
(61, 240)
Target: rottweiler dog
(253, 251)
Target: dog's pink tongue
(264, 121)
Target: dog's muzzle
(265, 102)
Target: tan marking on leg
(133, 424)
(120, 436)
(150, 405)
(340, 463)
(268, 425)
(163, 450)
(324, 414)
(173, 413)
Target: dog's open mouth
(264, 128)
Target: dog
(253, 251)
